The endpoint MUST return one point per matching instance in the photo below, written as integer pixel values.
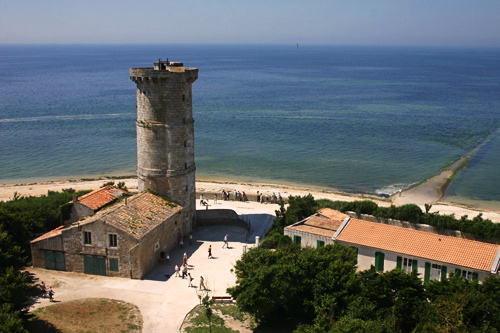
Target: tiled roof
(313, 230)
(333, 214)
(142, 213)
(56, 232)
(445, 249)
(320, 224)
(101, 197)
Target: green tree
(459, 305)
(11, 320)
(290, 281)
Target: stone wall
(219, 217)
(38, 249)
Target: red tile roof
(445, 249)
(99, 198)
(56, 232)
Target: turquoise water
(357, 119)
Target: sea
(357, 119)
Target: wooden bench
(223, 299)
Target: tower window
(183, 97)
(185, 165)
(186, 188)
(185, 143)
(183, 120)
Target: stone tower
(165, 133)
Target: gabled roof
(99, 198)
(55, 232)
(445, 249)
(136, 215)
(324, 223)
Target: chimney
(75, 198)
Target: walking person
(190, 280)
(43, 289)
(185, 259)
(177, 269)
(225, 242)
(202, 283)
(51, 293)
(210, 251)
(184, 271)
(215, 199)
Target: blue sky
(351, 22)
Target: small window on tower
(183, 97)
(183, 120)
(185, 143)
(185, 165)
(186, 188)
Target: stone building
(165, 133)
(124, 239)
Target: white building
(388, 247)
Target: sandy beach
(429, 192)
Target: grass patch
(87, 315)
(225, 319)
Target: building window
(379, 261)
(87, 238)
(467, 274)
(183, 97)
(113, 240)
(407, 265)
(436, 272)
(320, 244)
(185, 143)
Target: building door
(55, 260)
(94, 265)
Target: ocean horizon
(368, 120)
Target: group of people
(237, 195)
(183, 273)
(47, 291)
(181, 240)
(164, 256)
(242, 196)
(266, 198)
